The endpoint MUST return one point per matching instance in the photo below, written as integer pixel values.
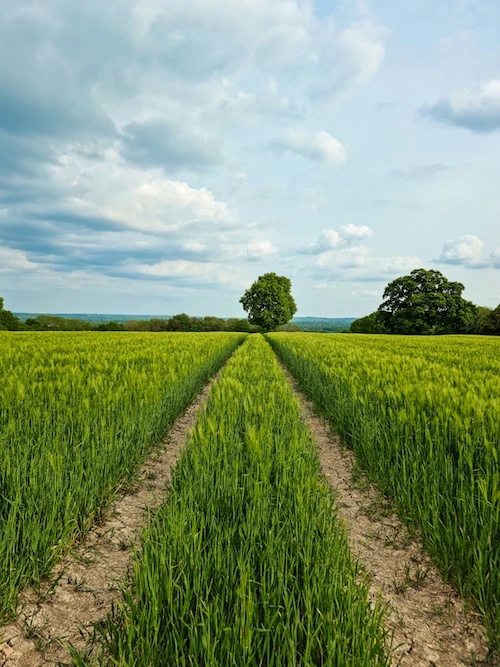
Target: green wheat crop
(423, 417)
(245, 564)
(78, 411)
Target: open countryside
(249, 333)
(246, 560)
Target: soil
(431, 627)
(87, 581)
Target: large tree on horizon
(426, 302)
(269, 301)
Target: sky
(157, 156)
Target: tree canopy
(426, 302)
(370, 324)
(492, 325)
(269, 302)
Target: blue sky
(156, 156)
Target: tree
(235, 324)
(493, 324)
(8, 321)
(269, 301)
(179, 322)
(425, 302)
(372, 324)
(482, 323)
(158, 324)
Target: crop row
(423, 417)
(77, 414)
(245, 563)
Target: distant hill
(323, 324)
(94, 318)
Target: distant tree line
(425, 302)
(181, 322)
(184, 322)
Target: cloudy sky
(156, 156)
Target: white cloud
(466, 251)
(12, 260)
(260, 249)
(282, 41)
(357, 264)
(331, 239)
(144, 200)
(364, 50)
(356, 232)
(316, 146)
(194, 246)
(476, 108)
(356, 256)
(193, 272)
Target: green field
(78, 412)
(245, 563)
(422, 415)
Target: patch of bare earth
(431, 627)
(85, 584)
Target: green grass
(78, 412)
(423, 417)
(245, 563)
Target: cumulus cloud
(356, 232)
(465, 251)
(357, 256)
(341, 256)
(476, 108)
(332, 239)
(14, 260)
(359, 264)
(141, 199)
(260, 249)
(192, 273)
(117, 113)
(318, 146)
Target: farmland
(247, 561)
(423, 418)
(77, 414)
(245, 564)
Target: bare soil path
(86, 583)
(430, 625)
